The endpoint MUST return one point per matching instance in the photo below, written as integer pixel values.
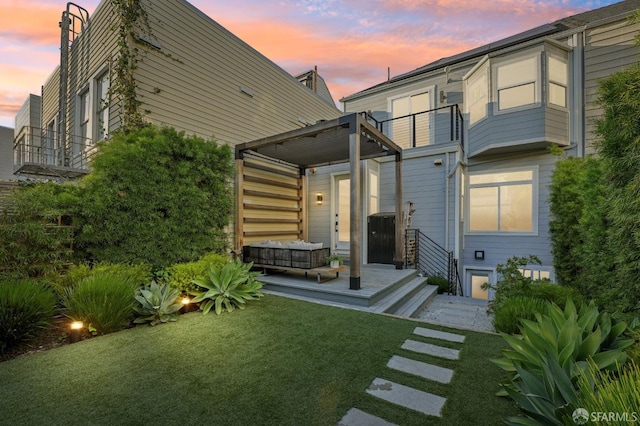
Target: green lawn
(278, 362)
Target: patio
(376, 283)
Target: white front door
(342, 211)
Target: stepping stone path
(405, 396)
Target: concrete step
(421, 369)
(399, 296)
(442, 335)
(405, 396)
(355, 417)
(429, 349)
(416, 304)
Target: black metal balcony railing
(41, 152)
(435, 126)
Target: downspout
(447, 194)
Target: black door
(382, 238)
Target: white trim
(534, 207)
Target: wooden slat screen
(270, 201)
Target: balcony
(43, 153)
(437, 126)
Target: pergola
(350, 138)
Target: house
(475, 129)
(176, 67)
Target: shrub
(156, 196)
(138, 274)
(551, 352)
(182, 275)
(26, 308)
(507, 318)
(35, 232)
(105, 301)
(554, 293)
(228, 287)
(157, 304)
(614, 393)
(439, 281)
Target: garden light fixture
(76, 330)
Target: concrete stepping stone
(355, 417)
(414, 399)
(421, 369)
(442, 335)
(429, 349)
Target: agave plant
(552, 352)
(157, 304)
(227, 288)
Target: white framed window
(535, 274)
(558, 79)
(102, 106)
(503, 202)
(410, 126)
(84, 114)
(475, 279)
(517, 83)
(477, 94)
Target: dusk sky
(351, 41)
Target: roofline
(556, 28)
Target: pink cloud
(31, 22)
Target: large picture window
(502, 202)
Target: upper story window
(517, 83)
(410, 126)
(518, 80)
(477, 95)
(502, 202)
(558, 80)
(83, 115)
(102, 107)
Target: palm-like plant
(157, 304)
(227, 288)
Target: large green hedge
(595, 203)
(155, 196)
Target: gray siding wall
(425, 185)
(499, 248)
(29, 114)
(193, 81)
(608, 48)
(512, 128)
(6, 153)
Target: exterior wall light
(319, 198)
(76, 330)
(479, 255)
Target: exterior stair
(407, 300)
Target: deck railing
(435, 126)
(38, 151)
